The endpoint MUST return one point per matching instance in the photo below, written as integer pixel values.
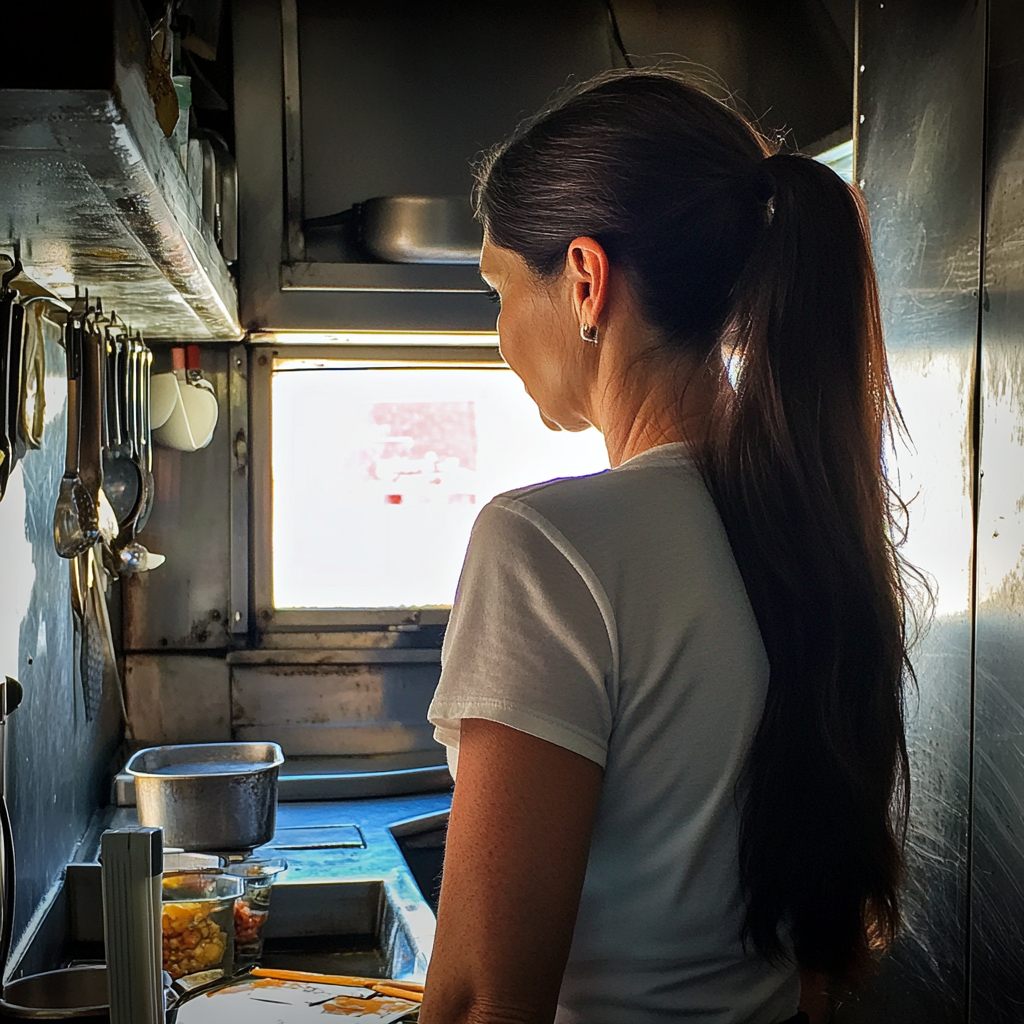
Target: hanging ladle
(76, 525)
(120, 474)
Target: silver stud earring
(588, 332)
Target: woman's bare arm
(518, 841)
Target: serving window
(372, 463)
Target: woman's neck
(653, 400)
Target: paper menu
(268, 1001)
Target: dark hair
(729, 243)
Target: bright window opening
(840, 159)
(460, 339)
(380, 469)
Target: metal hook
(15, 270)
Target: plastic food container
(198, 922)
(253, 907)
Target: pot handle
(11, 693)
(7, 885)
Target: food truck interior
(252, 402)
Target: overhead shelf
(383, 277)
(95, 195)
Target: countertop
(379, 822)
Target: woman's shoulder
(666, 468)
(656, 489)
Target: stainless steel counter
(369, 884)
(342, 778)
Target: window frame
(268, 619)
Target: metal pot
(209, 796)
(72, 993)
(420, 229)
(78, 993)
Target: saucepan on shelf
(398, 229)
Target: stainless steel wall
(941, 158)
(186, 603)
(920, 161)
(997, 890)
(58, 755)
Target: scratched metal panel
(997, 894)
(184, 604)
(335, 709)
(57, 757)
(177, 698)
(920, 162)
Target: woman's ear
(587, 268)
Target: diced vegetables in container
(198, 922)
(253, 907)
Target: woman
(672, 692)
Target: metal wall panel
(186, 603)
(921, 107)
(177, 698)
(997, 894)
(335, 709)
(58, 756)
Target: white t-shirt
(606, 614)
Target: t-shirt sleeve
(530, 643)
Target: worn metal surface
(177, 698)
(292, 86)
(317, 655)
(238, 495)
(920, 161)
(97, 197)
(335, 709)
(209, 796)
(56, 759)
(997, 894)
(185, 604)
(421, 229)
(383, 277)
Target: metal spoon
(75, 518)
(133, 556)
(147, 438)
(120, 475)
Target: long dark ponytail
(765, 257)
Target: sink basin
(349, 928)
(331, 927)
